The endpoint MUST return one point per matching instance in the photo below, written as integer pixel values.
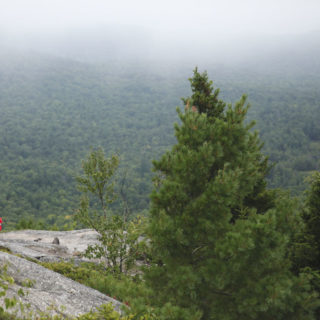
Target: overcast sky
(174, 16)
(190, 29)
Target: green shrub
(118, 286)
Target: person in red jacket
(0, 224)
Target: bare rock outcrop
(47, 291)
(46, 245)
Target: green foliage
(106, 312)
(52, 109)
(31, 223)
(11, 304)
(205, 267)
(70, 270)
(311, 217)
(130, 290)
(97, 179)
(103, 312)
(119, 242)
(204, 97)
(28, 283)
(4, 249)
(122, 288)
(306, 252)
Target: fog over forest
(195, 32)
(185, 133)
(78, 74)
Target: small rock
(37, 240)
(56, 241)
(76, 254)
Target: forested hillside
(52, 110)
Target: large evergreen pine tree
(206, 100)
(205, 267)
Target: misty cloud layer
(147, 29)
(175, 16)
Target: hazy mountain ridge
(53, 109)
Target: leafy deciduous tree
(118, 238)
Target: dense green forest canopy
(52, 110)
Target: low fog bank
(121, 45)
(128, 42)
